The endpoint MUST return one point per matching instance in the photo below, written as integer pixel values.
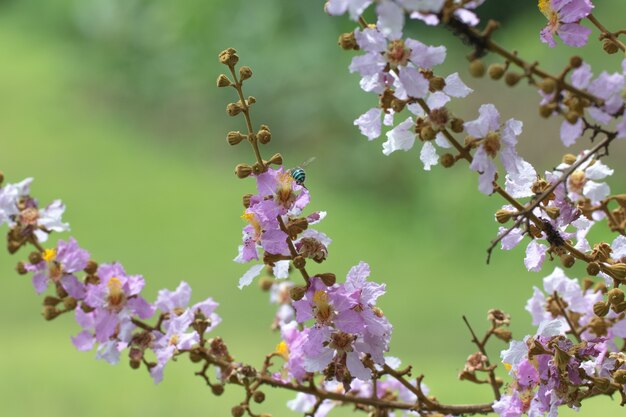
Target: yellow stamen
(174, 340)
(116, 294)
(49, 255)
(545, 7)
(507, 366)
(282, 349)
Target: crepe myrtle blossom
(564, 18)
(176, 302)
(585, 182)
(10, 195)
(493, 140)
(59, 266)
(112, 303)
(548, 370)
(462, 11)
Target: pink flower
(563, 19)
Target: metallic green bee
(298, 174)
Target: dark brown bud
(34, 257)
(546, 110)
(245, 72)
(1, 177)
(69, 303)
(297, 226)
(233, 109)
(512, 78)
(195, 356)
(503, 334)
(457, 125)
(223, 81)
(299, 262)
(21, 268)
(601, 308)
(265, 283)
(51, 301)
(264, 136)
(61, 293)
(437, 83)
(234, 138)
(575, 61)
(447, 160)
(92, 267)
(548, 85)
(610, 47)
(251, 100)
(296, 293)
(427, 133)
(568, 260)
(328, 279)
(237, 411)
(397, 105)
(258, 168)
(243, 170)
(347, 41)
(593, 268)
(217, 390)
(571, 116)
(246, 200)
(620, 376)
(619, 307)
(276, 159)
(477, 68)
(259, 397)
(50, 312)
(568, 159)
(503, 216)
(496, 71)
(615, 296)
(229, 57)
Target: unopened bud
(264, 136)
(237, 411)
(601, 384)
(347, 41)
(619, 307)
(601, 308)
(575, 61)
(265, 283)
(49, 312)
(299, 262)
(503, 216)
(257, 168)
(546, 111)
(217, 390)
(296, 293)
(548, 85)
(618, 270)
(477, 68)
(447, 160)
(195, 356)
(229, 57)
(69, 303)
(512, 78)
(1, 177)
(615, 296)
(276, 159)
(245, 72)
(568, 159)
(234, 138)
(246, 200)
(328, 279)
(610, 47)
(620, 376)
(21, 268)
(568, 260)
(243, 170)
(593, 268)
(223, 81)
(259, 397)
(496, 71)
(233, 109)
(427, 133)
(34, 257)
(457, 125)
(251, 100)
(571, 117)
(51, 301)
(587, 284)
(503, 334)
(437, 84)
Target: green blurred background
(111, 106)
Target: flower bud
(21, 268)
(234, 138)
(503, 334)
(568, 159)
(593, 268)
(229, 57)
(246, 200)
(575, 61)
(251, 100)
(587, 284)
(223, 81)
(299, 262)
(347, 42)
(620, 376)
(61, 293)
(619, 307)
(427, 133)
(265, 283)
(571, 117)
(237, 411)
(568, 260)
(296, 293)
(245, 72)
(243, 170)
(51, 301)
(258, 168)
(477, 68)
(217, 390)
(34, 257)
(195, 356)
(618, 270)
(496, 71)
(328, 279)
(615, 296)
(447, 160)
(276, 159)
(601, 384)
(397, 105)
(610, 47)
(259, 397)
(49, 312)
(512, 78)
(233, 109)
(503, 216)
(69, 303)
(546, 110)
(601, 308)
(264, 135)
(548, 85)
(1, 177)
(457, 125)
(436, 84)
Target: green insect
(298, 174)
